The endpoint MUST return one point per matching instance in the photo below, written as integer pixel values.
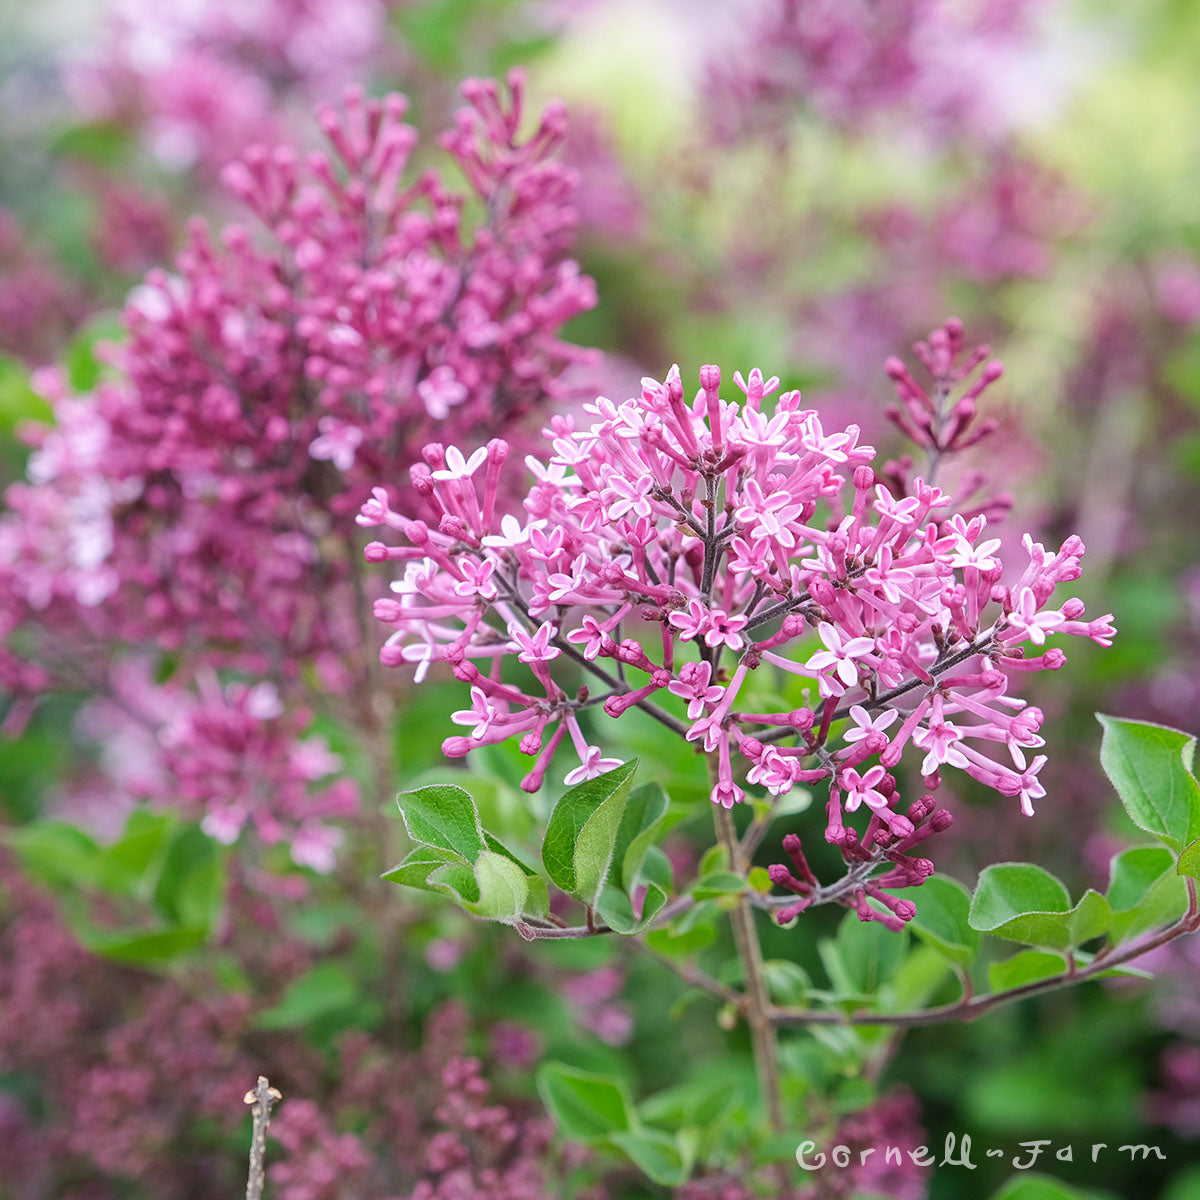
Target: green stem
(757, 1000)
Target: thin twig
(971, 1008)
(262, 1099)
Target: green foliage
(1151, 768)
(1024, 903)
(943, 918)
(456, 857)
(596, 1110)
(583, 831)
(18, 401)
(160, 886)
(1144, 891)
(1039, 1187)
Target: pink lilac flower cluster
(951, 66)
(893, 1120)
(729, 537)
(189, 504)
(110, 1076)
(1176, 1104)
(199, 82)
(132, 1081)
(230, 754)
(433, 1129)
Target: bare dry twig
(262, 1098)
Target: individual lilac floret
(675, 549)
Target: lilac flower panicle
(677, 548)
(189, 505)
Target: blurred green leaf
(327, 988)
(149, 948)
(864, 955)
(1039, 1187)
(942, 920)
(18, 401)
(586, 1107)
(1028, 966)
(191, 880)
(664, 1158)
(718, 883)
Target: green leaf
(1189, 860)
(415, 868)
(867, 955)
(443, 815)
(943, 918)
(697, 1102)
(144, 838)
(760, 880)
(788, 983)
(1039, 1187)
(686, 934)
(1144, 891)
(84, 368)
(327, 988)
(61, 856)
(456, 880)
(503, 887)
(18, 401)
(718, 883)
(582, 832)
(664, 1158)
(1024, 903)
(586, 1107)
(1090, 918)
(142, 948)
(640, 824)
(1028, 966)
(1151, 768)
(191, 882)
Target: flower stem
(757, 1000)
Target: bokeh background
(805, 186)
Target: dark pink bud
(456, 747)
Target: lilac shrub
(189, 504)
(733, 539)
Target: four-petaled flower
(458, 467)
(591, 766)
(865, 724)
(535, 648)
(481, 714)
(842, 654)
(938, 738)
(860, 789)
